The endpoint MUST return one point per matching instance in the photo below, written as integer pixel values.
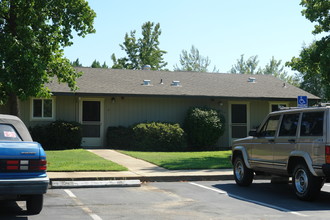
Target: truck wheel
(305, 184)
(34, 204)
(243, 175)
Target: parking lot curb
(80, 182)
(185, 178)
(60, 184)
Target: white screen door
(239, 120)
(91, 118)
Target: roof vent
(176, 83)
(252, 80)
(146, 67)
(146, 82)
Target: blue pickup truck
(23, 165)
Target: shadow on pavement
(12, 211)
(277, 196)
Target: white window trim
(277, 103)
(43, 118)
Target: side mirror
(253, 132)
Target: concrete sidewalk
(141, 170)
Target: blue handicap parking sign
(302, 101)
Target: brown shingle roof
(96, 81)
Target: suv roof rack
(288, 108)
(323, 104)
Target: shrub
(58, 135)
(204, 127)
(120, 137)
(156, 136)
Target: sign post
(302, 101)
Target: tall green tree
(104, 65)
(142, 51)
(33, 34)
(96, 64)
(313, 62)
(312, 80)
(76, 63)
(249, 66)
(275, 68)
(193, 61)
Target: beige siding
(258, 111)
(129, 110)
(67, 108)
(126, 111)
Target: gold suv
(289, 143)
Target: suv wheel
(306, 186)
(243, 175)
(34, 204)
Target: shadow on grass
(197, 163)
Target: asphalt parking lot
(177, 200)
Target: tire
(243, 175)
(306, 186)
(34, 204)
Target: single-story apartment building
(118, 97)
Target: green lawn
(185, 160)
(79, 160)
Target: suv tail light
(327, 153)
(24, 165)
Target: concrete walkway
(142, 170)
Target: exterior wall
(66, 108)
(126, 111)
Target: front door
(91, 118)
(239, 120)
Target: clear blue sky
(220, 29)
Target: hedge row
(203, 126)
(202, 129)
(58, 135)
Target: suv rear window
(8, 133)
(312, 124)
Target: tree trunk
(14, 108)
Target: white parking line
(267, 205)
(82, 206)
(249, 200)
(209, 188)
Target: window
(8, 133)
(270, 127)
(42, 108)
(289, 125)
(312, 124)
